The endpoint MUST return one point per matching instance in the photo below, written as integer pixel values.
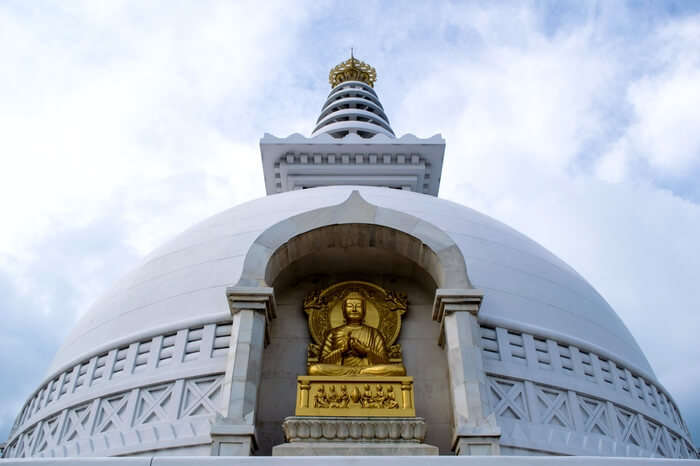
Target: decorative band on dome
(352, 70)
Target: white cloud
(122, 124)
(539, 135)
(102, 103)
(666, 126)
(664, 103)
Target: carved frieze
(355, 396)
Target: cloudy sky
(122, 123)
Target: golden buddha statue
(354, 364)
(355, 348)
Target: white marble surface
(525, 285)
(526, 288)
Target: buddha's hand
(358, 346)
(343, 344)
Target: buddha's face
(354, 309)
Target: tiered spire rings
(352, 106)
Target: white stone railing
(175, 413)
(575, 401)
(163, 357)
(542, 391)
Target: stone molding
(449, 300)
(408, 171)
(456, 300)
(354, 429)
(232, 439)
(487, 445)
(400, 451)
(258, 299)
(407, 162)
(261, 299)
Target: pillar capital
(448, 300)
(252, 298)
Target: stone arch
(355, 223)
(353, 240)
(351, 249)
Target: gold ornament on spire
(352, 70)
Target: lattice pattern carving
(76, 423)
(630, 427)
(594, 416)
(553, 407)
(508, 397)
(509, 346)
(125, 361)
(48, 434)
(558, 409)
(201, 396)
(111, 413)
(152, 404)
(179, 408)
(25, 444)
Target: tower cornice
(297, 162)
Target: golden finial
(352, 70)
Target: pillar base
(477, 446)
(232, 439)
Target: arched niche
(349, 227)
(354, 240)
(352, 249)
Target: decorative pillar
(474, 427)
(252, 309)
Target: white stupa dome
(148, 369)
(182, 285)
(183, 282)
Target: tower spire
(352, 105)
(352, 143)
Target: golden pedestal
(363, 396)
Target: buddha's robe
(335, 360)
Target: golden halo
(383, 309)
